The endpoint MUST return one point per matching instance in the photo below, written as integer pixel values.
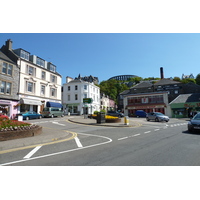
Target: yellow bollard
(126, 120)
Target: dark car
(157, 116)
(194, 123)
(115, 114)
(140, 113)
(30, 115)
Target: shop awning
(53, 104)
(30, 101)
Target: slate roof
(186, 98)
(143, 84)
(4, 57)
(125, 92)
(165, 81)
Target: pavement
(51, 136)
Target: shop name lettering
(191, 105)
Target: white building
(74, 91)
(39, 82)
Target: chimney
(9, 44)
(161, 73)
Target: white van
(52, 112)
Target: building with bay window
(39, 82)
(9, 79)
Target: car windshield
(159, 114)
(197, 117)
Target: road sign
(87, 100)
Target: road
(152, 144)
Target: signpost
(86, 101)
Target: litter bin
(101, 118)
(126, 120)
(20, 117)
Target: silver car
(157, 116)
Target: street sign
(87, 100)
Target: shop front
(146, 108)
(8, 108)
(185, 110)
(30, 105)
(72, 108)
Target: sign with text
(87, 100)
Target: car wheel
(40, 117)
(52, 116)
(27, 118)
(147, 119)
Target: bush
(95, 112)
(12, 123)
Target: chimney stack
(9, 44)
(161, 73)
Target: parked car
(194, 123)
(157, 116)
(29, 115)
(52, 112)
(115, 114)
(3, 116)
(140, 113)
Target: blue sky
(110, 54)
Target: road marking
(62, 152)
(58, 124)
(123, 138)
(78, 142)
(147, 132)
(135, 135)
(32, 152)
(156, 129)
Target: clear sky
(110, 54)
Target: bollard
(126, 120)
(68, 113)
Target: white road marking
(32, 152)
(147, 132)
(78, 142)
(58, 123)
(156, 129)
(135, 135)
(62, 152)
(123, 138)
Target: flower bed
(11, 129)
(109, 119)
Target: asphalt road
(152, 144)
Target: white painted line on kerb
(123, 138)
(32, 152)
(147, 132)
(78, 142)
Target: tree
(188, 80)
(177, 79)
(198, 79)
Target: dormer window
(52, 68)
(40, 62)
(24, 55)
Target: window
(176, 92)
(24, 55)
(68, 97)
(53, 92)
(76, 96)
(52, 68)
(5, 87)
(42, 90)
(85, 95)
(43, 75)
(40, 62)
(68, 88)
(30, 70)
(76, 87)
(7, 69)
(85, 87)
(30, 87)
(53, 78)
